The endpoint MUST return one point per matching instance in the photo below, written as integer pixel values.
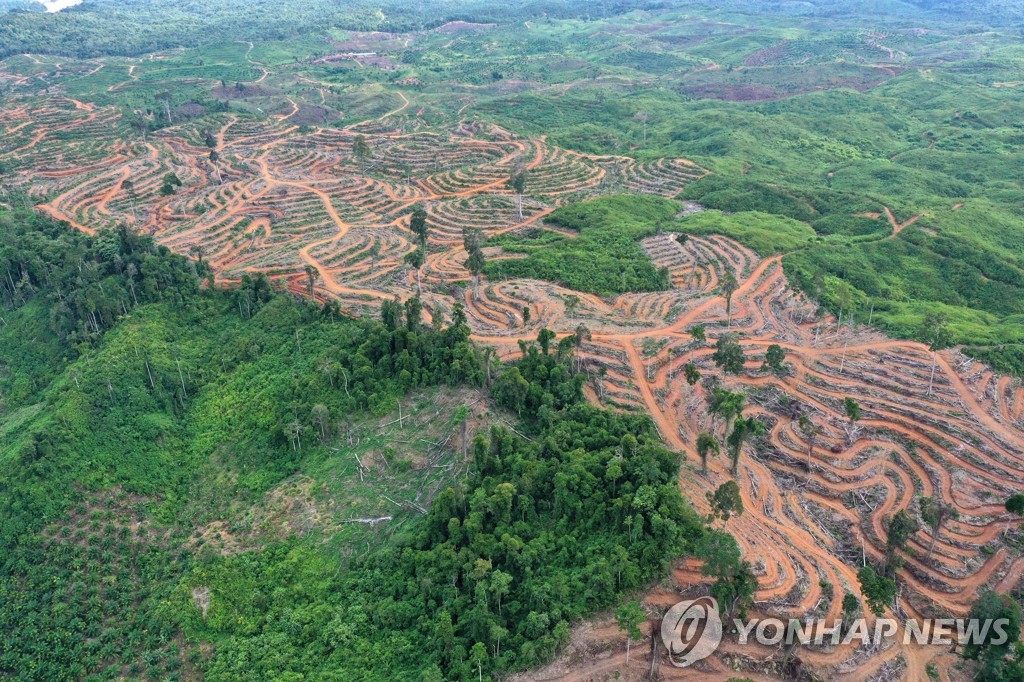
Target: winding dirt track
(279, 201)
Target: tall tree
(418, 223)
(850, 609)
(628, 617)
(878, 590)
(936, 331)
(726, 502)
(544, 337)
(416, 258)
(774, 360)
(140, 124)
(320, 416)
(472, 241)
(727, 288)
(707, 446)
(900, 529)
(165, 98)
(214, 158)
(727, 405)
(691, 373)
(361, 149)
(579, 338)
(413, 313)
(810, 432)
(699, 333)
(572, 301)
(477, 657)
(728, 355)
(735, 581)
(391, 313)
(517, 183)
(935, 512)
(743, 429)
(472, 238)
(312, 275)
(475, 265)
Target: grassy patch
(605, 258)
(765, 233)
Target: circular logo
(691, 631)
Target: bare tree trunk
(932, 379)
(182, 377)
(931, 545)
(652, 673)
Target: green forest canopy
(126, 434)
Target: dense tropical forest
(435, 341)
(145, 411)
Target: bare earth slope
(291, 201)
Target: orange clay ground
(280, 199)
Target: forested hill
(134, 27)
(180, 495)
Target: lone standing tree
(726, 502)
(810, 432)
(418, 223)
(774, 360)
(935, 512)
(312, 274)
(707, 445)
(361, 149)
(416, 258)
(214, 158)
(727, 405)
(728, 288)
(902, 527)
(728, 354)
(472, 241)
(517, 183)
(742, 430)
(852, 408)
(129, 187)
(628, 617)
(475, 265)
(936, 331)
